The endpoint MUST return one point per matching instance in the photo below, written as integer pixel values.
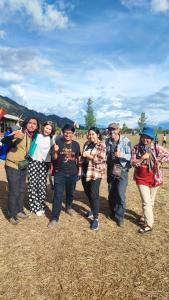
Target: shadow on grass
(79, 204)
(132, 216)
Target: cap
(113, 126)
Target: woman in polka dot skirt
(40, 153)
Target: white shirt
(42, 151)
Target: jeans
(91, 189)
(117, 195)
(16, 185)
(63, 182)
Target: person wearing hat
(146, 159)
(118, 163)
(66, 153)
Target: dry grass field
(73, 263)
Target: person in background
(20, 141)
(93, 161)
(39, 166)
(147, 158)
(66, 153)
(164, 142)
(118, 164)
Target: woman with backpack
(19, 143)
(147, 158)
(40, 154)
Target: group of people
(33, 149)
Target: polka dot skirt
(37, 185)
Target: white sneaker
(39, 213)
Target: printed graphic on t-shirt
(67, 157)
(68, 153)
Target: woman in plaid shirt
(147, 158)
(93, 168)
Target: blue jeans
(63, 182)
(16, 185)
(117, 195)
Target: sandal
(145, 229)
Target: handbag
(117, 170)
(23, 164)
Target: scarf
(142, 149)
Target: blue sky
(56, 54)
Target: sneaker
(39, 213)
(52, 224)
(22, 215)
(89, 215)
(95, 224)
(14, 221)
(70, 211)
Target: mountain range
(13, 108)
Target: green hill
(13, 108)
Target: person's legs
(95, 201)
(59, 186)
(121, 196)
(33, 179)
(42, 184)
(13, 190)
(70, 188)
(153, 192)
(87, 187)
(112, 196)
(22, 183)
(147, 206)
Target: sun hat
(149, 131)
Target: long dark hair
(26, 121)
(97, 131)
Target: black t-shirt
(85, 162)
(67, 157)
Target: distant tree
(90, 119)
(142, 121)
(124, 128)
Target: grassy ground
(72, 262)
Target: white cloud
(131, 3)
(2, 34)
(156, 5)
(38, 14)
(22, 61)
(18, 94)
(160, 5)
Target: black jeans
(91, 189)
(117, 195)
(16, 186)
(63, 182)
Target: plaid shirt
(96, 166)
(160, 155)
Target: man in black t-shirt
(66, 154)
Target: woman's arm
(136, 162)
(55, 151)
